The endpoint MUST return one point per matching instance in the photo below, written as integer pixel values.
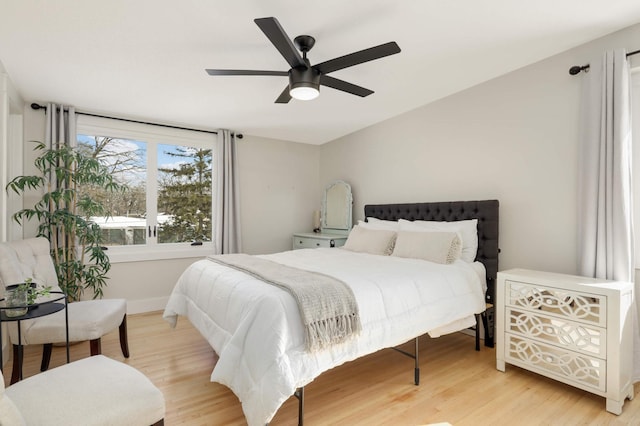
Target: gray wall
(279, 187)
(514, 138)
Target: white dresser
(315, 240)
(573, 329)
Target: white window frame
(153, 135)
(635, 131)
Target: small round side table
(54, 302)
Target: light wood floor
(458, 385)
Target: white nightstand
(304, 240)
(573, 329)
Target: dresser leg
(614, 406)
(500, 365)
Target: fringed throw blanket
(327, 305)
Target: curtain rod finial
(576, 69)
(37, 106)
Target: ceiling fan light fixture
(304, 83)
(304, 91)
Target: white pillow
(385, 225)
(438, 247)
(467, 229)
(373, 241)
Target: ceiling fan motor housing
(304, 77)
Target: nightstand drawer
(308, 240)
(577, 306)
(557, 331)
(580, 370)
(303, 242)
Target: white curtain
(227, 197)
(605, 233)
(61, 125)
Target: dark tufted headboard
(485, 211)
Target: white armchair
(88, 320)
(94, 391)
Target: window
(167, 209)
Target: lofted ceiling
(145, 59)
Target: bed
(256, 328)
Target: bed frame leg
(299, 393)
(488, 321)
(414, 355)
(416, 372)
(477, 332)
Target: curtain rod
(576, 69)
(36, 107)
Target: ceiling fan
(304, 79)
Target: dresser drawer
(580, 370)
(307, 242)
(561, 332)
(316, 240)
(582, 307)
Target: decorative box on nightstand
(572, 329)
(315, 240)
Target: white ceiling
(145, 59)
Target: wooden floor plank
(458, 385)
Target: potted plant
(22, 295)
(15, 297)
(69, 176)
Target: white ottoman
(93, 391)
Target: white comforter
(255, 328)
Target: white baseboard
(146, 305)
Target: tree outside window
(170, 194)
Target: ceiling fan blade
(246, 72)
(338, 84)
(359, 57)
(284, 97)
(274, 32)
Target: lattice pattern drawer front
(580, 307)
(557, 363)
(570, 335)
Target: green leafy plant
(32, 290)
(68, 176)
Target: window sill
(146, 253)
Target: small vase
(15, 296)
